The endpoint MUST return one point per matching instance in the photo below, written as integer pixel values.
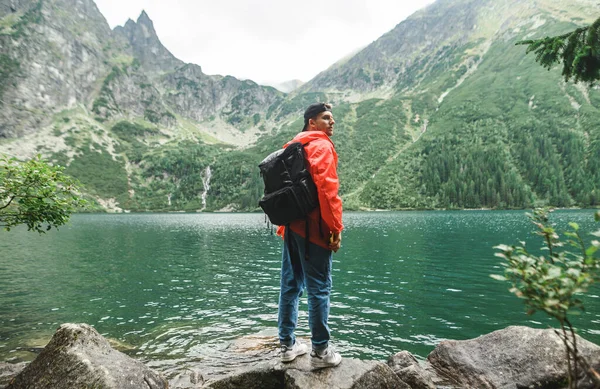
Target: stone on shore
(79, 357)
(514, 357)
(408, 369)
(350, 374)
(189, 379)
(8, 371)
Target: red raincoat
(322, 158)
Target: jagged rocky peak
(146, 46)
(145, 20)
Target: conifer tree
(578, 50)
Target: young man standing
(325, 235)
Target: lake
(176, 288)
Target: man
(325, 236)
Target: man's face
(324, 122)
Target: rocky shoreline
(77, 356)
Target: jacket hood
(308, 136)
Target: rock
(401, 360)
(514, 357)
(350, 374)
(8, 371)
(55, 66)
(77, 357)
(190, 379)
(147, 46)
(263, 377)
(416, 377)
(408, 369)
(438, 381)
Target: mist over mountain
(443, 111)
(287, 86)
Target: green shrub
(36, 194)
(99, 174)
(552, 283)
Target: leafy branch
(552, 284)
(578, 50)
(36, 194)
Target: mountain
(116, 108)
(146, 46)
(443, 111)
(61, 54)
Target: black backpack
(290, 193)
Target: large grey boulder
(350, 374)
(79, 357)
(514, 357)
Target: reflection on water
(179, 288)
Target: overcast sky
(267, 41)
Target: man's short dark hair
(313, 110)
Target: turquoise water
(183, 287)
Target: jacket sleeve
(324, 169)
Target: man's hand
(335, 241)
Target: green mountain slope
(486, 125)
(510, 135)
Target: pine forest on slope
(444, 111)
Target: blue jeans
(296, 274)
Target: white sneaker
(328, 358)
(288, 354)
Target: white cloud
(264, 40)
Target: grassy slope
(488, 146)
